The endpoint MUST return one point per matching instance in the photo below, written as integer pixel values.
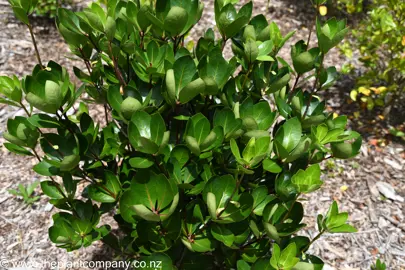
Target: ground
(352, 183)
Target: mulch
(352, 183)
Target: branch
(35, 45)
(116, 68)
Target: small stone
(48, 207)
(382, 223)
(393, 164)
(388, 191)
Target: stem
(25, 109)
(86, 61)
(35, 46)
(203, 227)
(290, 95)
(116, 68)
(56, 183)
(39, 159)
(106, 113)
(253, 241)
(290, 209)
(36, 154)
(128, 69)
(89, 179)
(160, 166)
(92, 42)
(119, 126)
(314, 239)
(224, 44)
(310, 34)
(314, 89)
(183, 253)
(247, 76)
(178, 125)
(142, 39)
(40, 131)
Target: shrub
(380, 39)
(351, 6)
(47, 8)
(43, 8)
(198, 168)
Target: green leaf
(213, 140)
(184, 71)
(43, 121)
(114, 98)
(226, 119)
(106, 192)
(260, 199)
(222, 187)
(305, 61)
(251, 51)
(271, 166)
(202, 243)
(192, 144)
(328, 77)
(308, 180)
(330, 34)
(198, 127)
(156, 196)
(46, 169)
(17, 149)
(110, 27)
(279, 81)
(129, 106)
(176, 20)
(271, 231)
(310, 263)
(21, 14)
(335, 222)
(69, 163)
(9, 102)
(69, 19)
(262, 264)
(250, 150)
(181, 154)
(287, 259)
(275, 256)
(235, 149)
(222, 234)
(260, 112)
(344, 150)
(147, 132)
(237, 210)
(82, 226)
(212, 204)
(192, 90)
(52, 189)
(141, 163)
(171, 86)
(242, 265)
(345, 228)
(94, 20)
(289, 134)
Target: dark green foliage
(200, 169)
